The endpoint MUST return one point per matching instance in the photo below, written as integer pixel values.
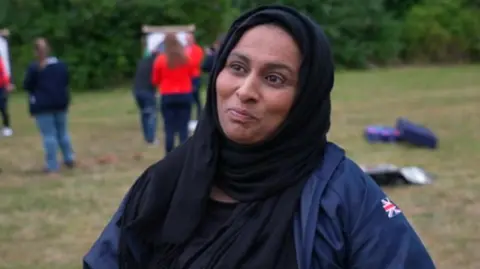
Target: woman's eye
(275, 79)
(237, 67)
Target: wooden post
(147, 29)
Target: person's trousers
(175, 120)
(4, 109)
(147, 104)
(196, 85)
(54, 130)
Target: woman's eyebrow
(241, 56)
(270, 65)
(274, 65)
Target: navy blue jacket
(47, 87)
(142, 80)
(207, 64)
(345, 221)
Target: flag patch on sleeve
(390, 208)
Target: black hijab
(167, 203)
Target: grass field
(49, 222)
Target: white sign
(154, 39)
(5, 55)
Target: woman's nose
(248, 91)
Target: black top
(216, 216)
(207, 64)
(143, 75)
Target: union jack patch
(390, 208)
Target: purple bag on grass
(381, 134)
(416, 134)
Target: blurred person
(211, 54)
(250, 191)
(146, 51)
(47, 82)
(172, 75)
(195, 52)
(160, 48)
(5, 88)
(145, 94)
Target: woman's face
(257, 86)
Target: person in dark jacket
(248, 190)
(47, 82)
(145, 95)
(207, 64)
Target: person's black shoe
(70, 165)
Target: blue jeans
(54, 130)
(197, 84)
(147, 104)
(175, 118)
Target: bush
(99, 39)
(442, 31)
(399, 8)
(361, 31)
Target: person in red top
(172, 75)
(5, 88)
(195, 52)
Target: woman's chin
(242, 138)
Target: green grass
(50, 222)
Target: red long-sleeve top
(4, 77)
(169, 81)
(195, 52)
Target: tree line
(101, 39)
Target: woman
(195, 52)
(48, 85)
(5, 88)
(145, 96)
(207, 64)
(172, 74)
(258, 185)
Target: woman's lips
(240, 115)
